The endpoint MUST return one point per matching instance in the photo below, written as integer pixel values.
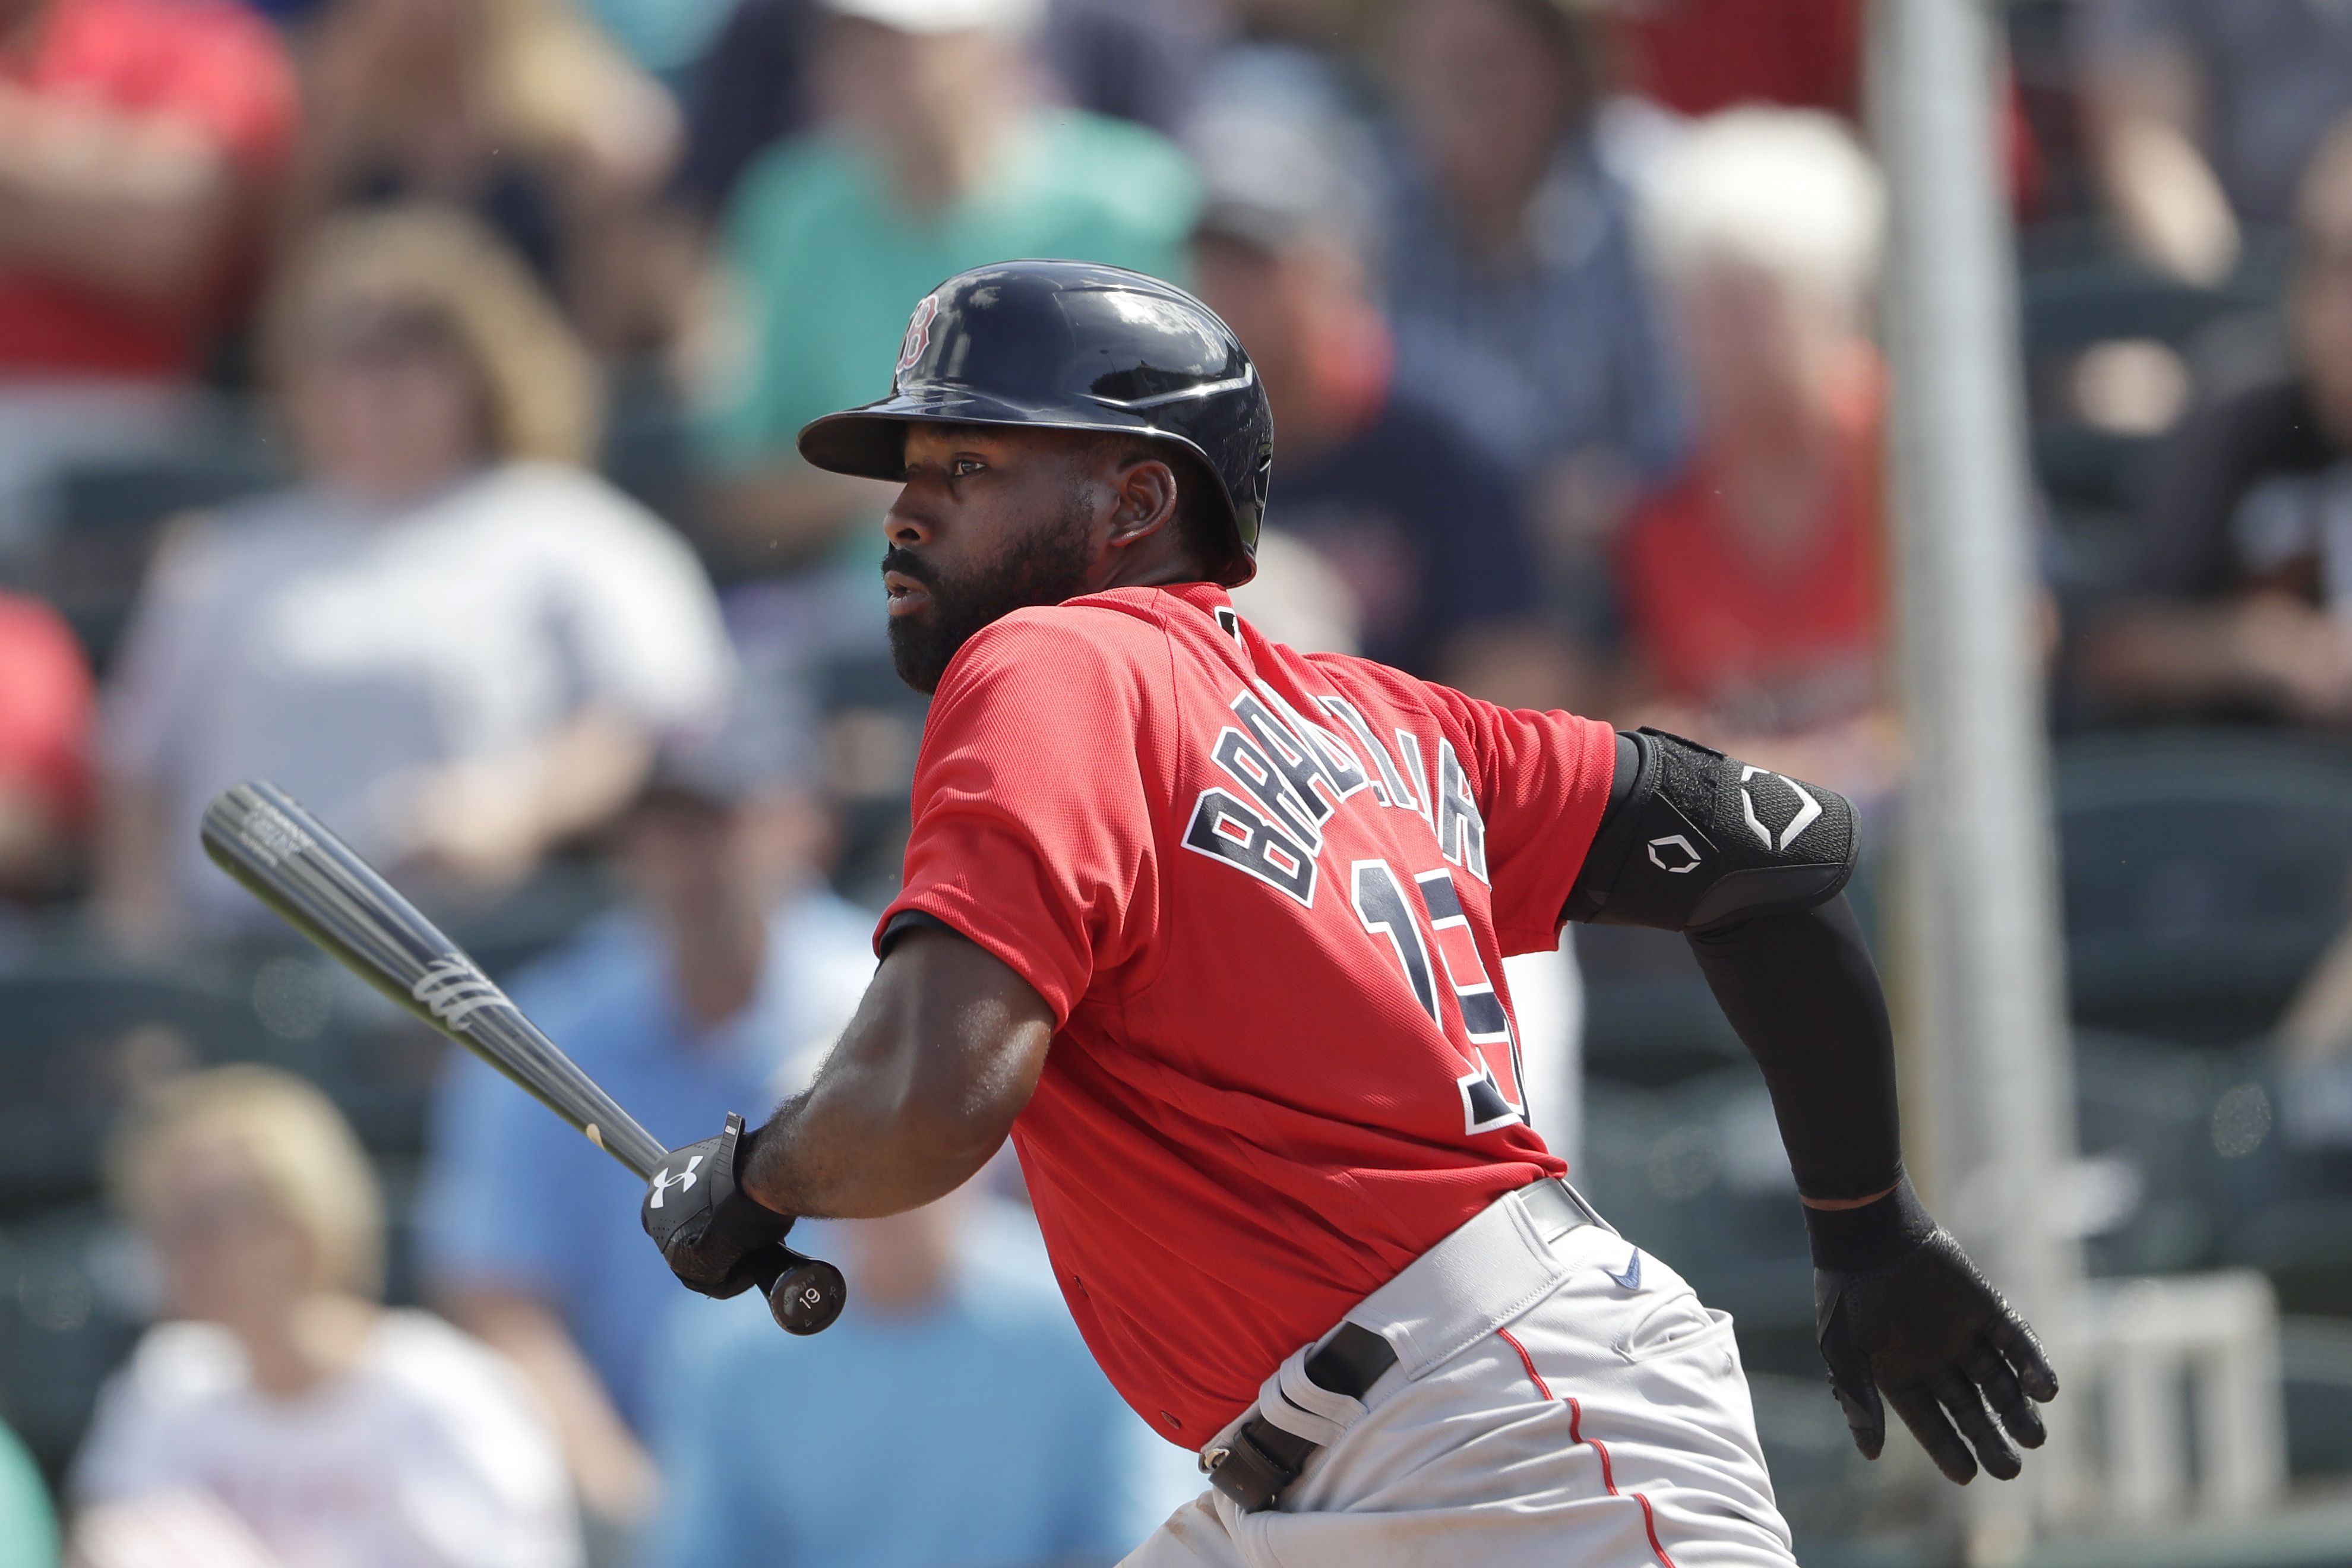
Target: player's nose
(904, 523)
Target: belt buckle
(1246, 1472)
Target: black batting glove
(1901, 1311)
(713, 1235)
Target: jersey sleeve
(1540, 782)
(1032, 832)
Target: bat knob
(807, 1296)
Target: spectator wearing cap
(279, 1417)
(963, 1422)
(729, 965)
(1419, 514)
(140, 141)
(450, 641)
(1511, 267)
(1750, 586)
(939, 156)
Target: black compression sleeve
(1802, 991)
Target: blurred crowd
(397, 402)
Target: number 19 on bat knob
(807, 1294)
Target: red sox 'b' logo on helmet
(919, 336)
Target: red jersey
(1267, 895)
(219, 71)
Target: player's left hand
(716, 1237)
(1902, 1311)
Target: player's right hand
(1902, 1312)
(714, 1236)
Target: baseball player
(1214, 931)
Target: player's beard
(1045, 567)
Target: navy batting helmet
(1072, 345)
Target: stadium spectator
(939, 156)
(517, 110)
(450, 641)
(1143, 63)
(1512, 277)
(138, 142)
(1750, 585)
(730, 964)
(327, 1430)
(28, 1529)
(1417, 514)
(960, 1365)
(44, 721)
(2202, 113)
(2241, 601)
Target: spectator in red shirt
(1751, 585)
(136, 140)
(44, 718)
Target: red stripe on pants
(1576, 1435)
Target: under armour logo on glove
(716, 1238)
(663, 1182)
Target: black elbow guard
(1702, 840)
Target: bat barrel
(261, 836)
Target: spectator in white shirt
(450, 641)
(296, 1423)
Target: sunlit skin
(989, 519)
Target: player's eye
(964, 468)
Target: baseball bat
(258, 835)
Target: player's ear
(1146, 491)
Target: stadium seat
(108, 516)
(2203, 872)
(84, 1032)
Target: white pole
(1980, 963)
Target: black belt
(1262, 1458)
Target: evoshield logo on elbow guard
(1808, 810)
(1674, 855)
(662, 1181)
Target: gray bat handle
(283, 856)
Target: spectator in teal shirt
(938, 157)
(28, 1529)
